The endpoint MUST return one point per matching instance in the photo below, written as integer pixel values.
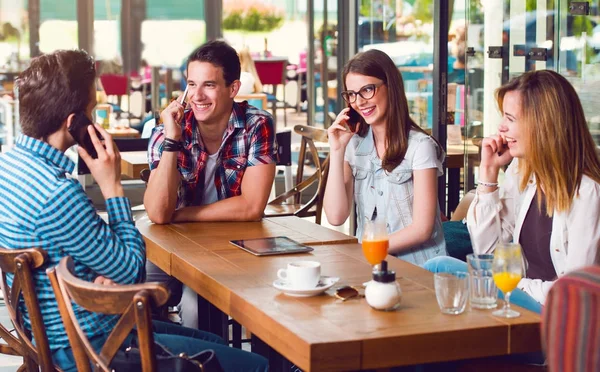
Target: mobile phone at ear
(354, 118)
(79, 131)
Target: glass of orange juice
(507, 269)
(375, 241)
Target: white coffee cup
(301, 274)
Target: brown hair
(219, 54)
(377, 64)
(54, 86)
(559, 147)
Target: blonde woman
(549, 201)
(249, 77)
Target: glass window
(172, 31)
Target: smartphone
(79, 131)
(184, 95)
(354, 118)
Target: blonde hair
(559, 147)
(247, 65)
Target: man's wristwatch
(171, 145)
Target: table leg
(212, 320)
(236, 334)
(276, 361)
(299, 98)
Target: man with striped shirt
(42, 206)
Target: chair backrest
(571, 322)
(463, 206)
(284, 148)
(271, 71)
(114, 84)
(21, 263)
(133, 302)
(309, 136)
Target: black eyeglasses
(366, 92)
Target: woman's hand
(338, 133)
(494, 152)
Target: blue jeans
(179, 339)
(450, 264)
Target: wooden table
(163, 240)
(124, 133)
(133, 162)
(323, 333)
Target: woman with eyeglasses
(381, 159)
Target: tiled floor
(8, 363)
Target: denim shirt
(392, 192)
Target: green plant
(251, 16)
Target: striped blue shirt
(40, 206)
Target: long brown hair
(377, 64)
(559, 147)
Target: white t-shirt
(247, 86)
(210, 191)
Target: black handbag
(130, 360)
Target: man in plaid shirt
(214, 162)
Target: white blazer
(575, 235)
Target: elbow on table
(424, 233)
(336, 218)
(159, 218)
(254, 214)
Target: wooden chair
(463, 207)
(314, 207)
(21, 263)
(133, 302)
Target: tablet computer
(271, 246)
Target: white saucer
(325, 283)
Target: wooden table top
(323, 333)
(163, 240)
(124, 132)
(132, 163)
(455, 155)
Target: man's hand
(106, 169)
(103, 281)
(171, 118)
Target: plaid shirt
(249, 140)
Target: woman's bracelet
(487, 184)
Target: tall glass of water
(484, 293)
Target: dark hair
(54, 86)
(219, 54)
(377, 64)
